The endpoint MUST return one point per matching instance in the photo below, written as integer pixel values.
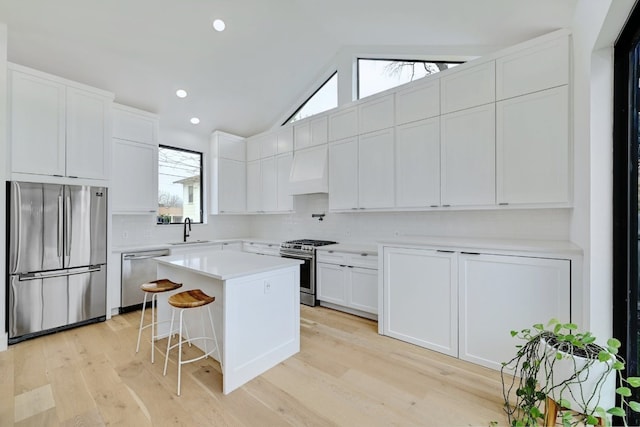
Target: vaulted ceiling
(244, 79)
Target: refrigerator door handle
(17, 230)
(60, 226)
(67, 217)
(49, 275)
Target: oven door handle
(295, 255)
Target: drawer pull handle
(364, 254)
(330, 252)
(470, 253)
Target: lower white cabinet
(261, 248)
(465, 304)
(420, 299)
(499, 294)
(348, 280)
(232, 246)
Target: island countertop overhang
(225, 265)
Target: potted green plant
(567, 366)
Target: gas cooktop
(305, 244)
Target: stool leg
(215, 338)
(166, 356)
(551, 412)
(144, 304)
(153, 326)
(204, 333)
(180, 351)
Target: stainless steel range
(305, 250)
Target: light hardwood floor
(345, 375)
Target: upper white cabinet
(343, 174)
(533, 149)
(268, 144)
(418, 102)
(417, 164)
(58, 127)
(268, 184)
(134, 177)
(467, 87)
(311, 132)
(283, 169)
(539, 67)
(343, 123)
(499, 294)
(376, 170)
(468, 157)
(254, 148)
(421, 298)
(376, 114)
(254, 186)
(284, 140)
(228, 177)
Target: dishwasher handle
(138, 257)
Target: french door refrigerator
(56, 257)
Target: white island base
(256, 312)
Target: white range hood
(309, 171)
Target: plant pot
(583, 382)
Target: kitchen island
(256, 312)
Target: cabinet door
(468, 157)
(269, 184)
(343, 174)
(229, 146)
(468, 87)
(418, 102)
(132, 125)
(376, 170)
(37, 126)
(420, 295)
(331, 283)
(87, 150)
(318, 131)
(417, 169)
(343, 124)
(284, 138)
(134, 177)
(268, 144)
(231, 186)
(532, 148)
(254, 186)
(302, 135)
(253, 148)
(499, 294)
(285, 199)
(376, 114)
(362, 288)
(232, 246)
(537, 68)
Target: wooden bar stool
(153, 288)
(194, 298)
(551, 414)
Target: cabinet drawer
(363, 260)
(330, 257)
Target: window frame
(388, 59)
(319, 88)
(201, 210)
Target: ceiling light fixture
(181, 93)
(195, 120)
(219, 25)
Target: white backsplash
(360, 227)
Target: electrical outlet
(267, 287)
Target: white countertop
(195, 245)
(225, 265)
(355, 248)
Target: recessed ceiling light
(219, 25)
(181, 93)
(195, 120)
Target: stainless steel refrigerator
(56, 258)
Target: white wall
(595, 27)
(4, 174)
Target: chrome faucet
(187, 221)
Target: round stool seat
(160, 285)
(190, 299)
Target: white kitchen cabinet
(503, 293)
(417, 164)
(348, 281)
(285, 199)
(134, 175)
(284, 139)
(228, 177)
(343, 123)
(376, 114)
(417, 102)
(134, 181)
(343, 174)
(57, 127)
(529, 70)
(231, 246)
(268, 144)
(468, 86)
(468, 157)
(420, 296)
(261, 248)
(533, 148)
(311, 132)
(254, 186)
(254, 147)
(376, 169)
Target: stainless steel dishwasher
(137, 268)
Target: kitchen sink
(192, 242)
